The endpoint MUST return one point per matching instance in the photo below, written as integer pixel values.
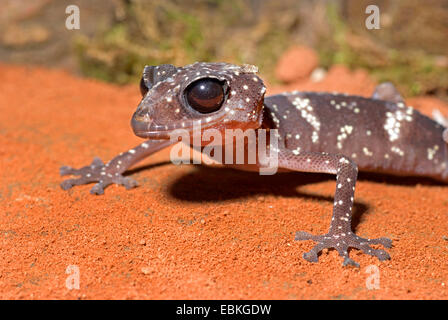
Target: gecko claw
(65, 170)
(350, 262)
(97, 189)
(311, 256)
(97, 162)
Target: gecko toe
(128, 183)
(382, 255)
(302, 235)
(97, 189)
(66, 170)
(310, 256)
(66, 184)
(350, 262)
(386, 242)
(97, 162)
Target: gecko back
(379, 135)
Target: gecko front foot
(98, 172)
(341, 242)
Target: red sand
(189, 232)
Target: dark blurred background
(117, 38)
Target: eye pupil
(205, 95)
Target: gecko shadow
(206, 184)
(214, 184)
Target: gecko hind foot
(98, 172)
(341, 242)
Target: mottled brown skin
(368, 144)
(318, 132)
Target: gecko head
(210, 95)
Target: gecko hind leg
(342, 242)
(386, 91)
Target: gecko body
(318, 132)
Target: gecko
(317, 132)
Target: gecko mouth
(145, 127)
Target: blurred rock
(34, 32)
(339, 79)
(18, 36)
(318, 74)
(296, 63)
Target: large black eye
(205, 95)
(143, 87)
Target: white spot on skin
(393, 123)
(132, 151)
(432, 151)
(345, 131)
(314, 137)
(245, 87)
(169, 99)
(397, 151)
(296, 151)
(367, 152)
(303, 105)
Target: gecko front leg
(340, 235)
(111, 172)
